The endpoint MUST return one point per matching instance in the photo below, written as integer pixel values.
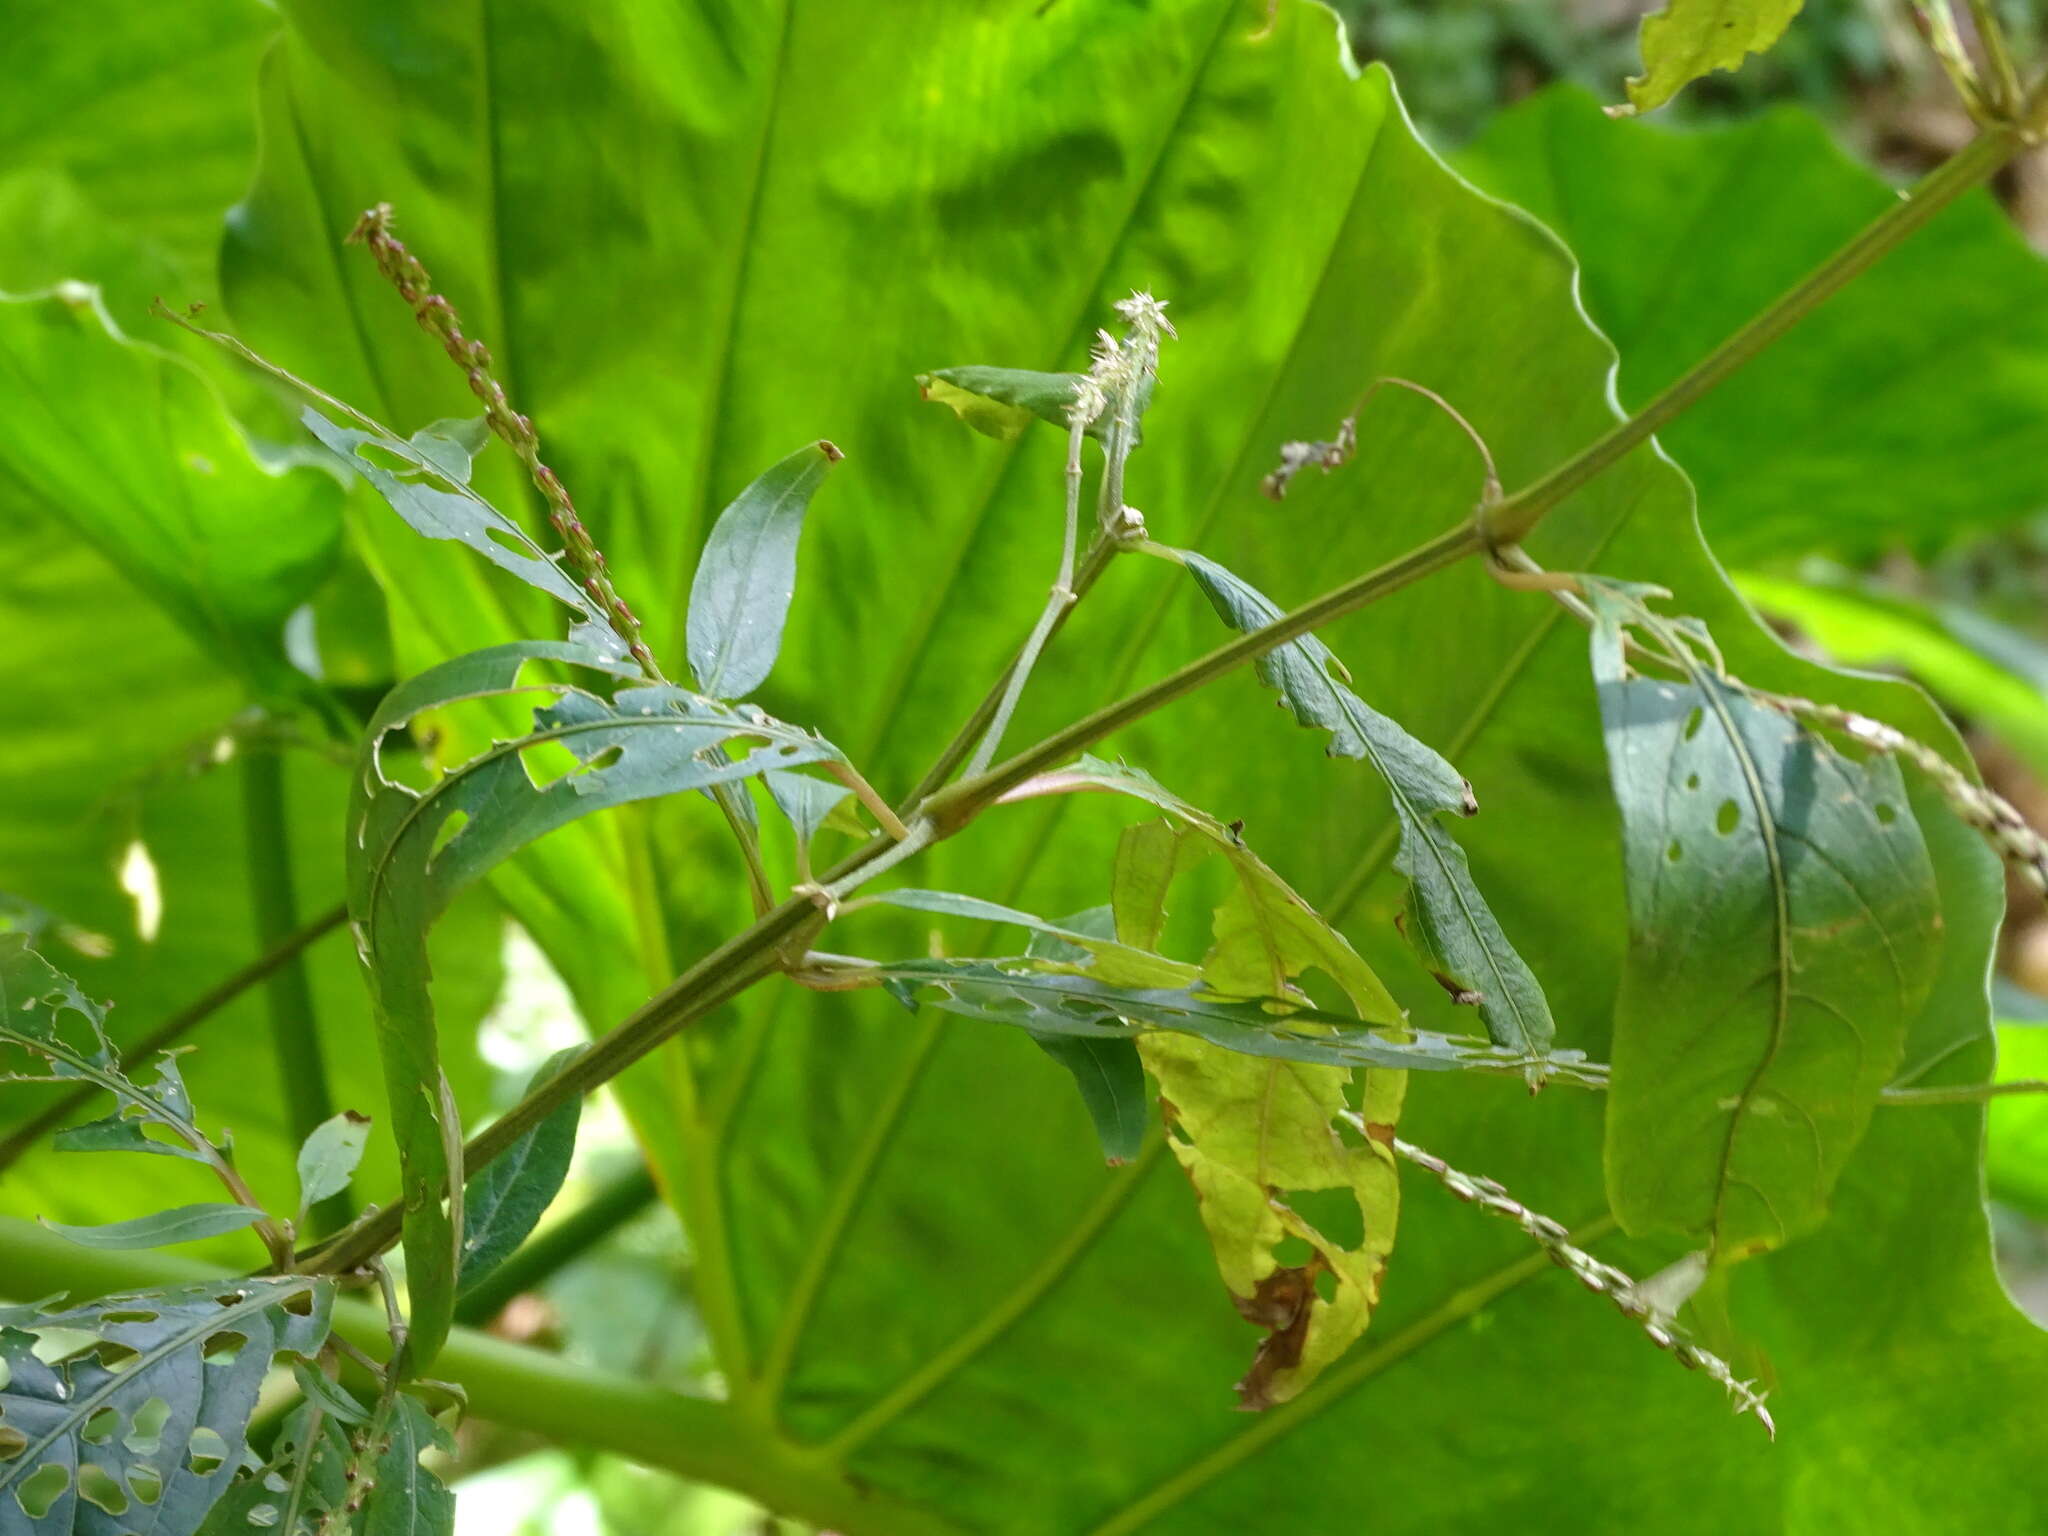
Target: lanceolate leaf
(747, 574)
(1110, 1077)
(1103, 957)
(305, 1482)
(641, 743)
(1020, 991)
(407, 1499)
(140, 1424)
(507, 1199)
(162, 1229)
(1783, 931)
(328, 1159)
(1691, 38)
(38, 1005)
(1002, 402)
(1448, 921)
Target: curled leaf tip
(832, 451)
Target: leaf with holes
(1024, 992)
(1688, 39)
(746, 576)
(407, 1499)
(1252, 1137)
(38, 1005)
(1448, 922)
(1783, 931)
(305, 1482)
(135, 1408)
(1100, 955)
(508, 1196)
(411, 851)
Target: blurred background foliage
(1942, 578)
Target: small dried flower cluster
(1639, 1301)
(1118, 385)
(437, 316)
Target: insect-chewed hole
(116, 1356)
(1675, 852)
(96, 1485)
(299, 1303)
(205, 1451)
(146, 1431)
(222, 1348)
(1692, 781)
(1885, 812)
(263, 1516)
(1332, 1212)
(12, 1442)
(450, 829)
(1326, 1285)
(145, 1484)
(1293, 1252)
(99, 1429)
(38, 1493)
(1728, 818)
(1692, 723)
(127, 1317)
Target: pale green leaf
(1692, 38)
(162, 1229)
(746, 576)
(327, 1160)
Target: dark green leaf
(162, 1229)
(407, 1499)
(1448, 921)
(746, 576)
(1105, 959)
(328, 1159)
(505, 1201)
(152, 1388)
(1111, 1079)
(1783, 931)
(304, 1483)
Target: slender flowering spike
(437, 316)
(1644, 1303)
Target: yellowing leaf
(1691, 38)
(1250, 1134)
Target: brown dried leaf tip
(1283, 1305)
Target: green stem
(559, 1400)
(1512, 519)
(557, 1246)
(294, 1029)
(1963, 1093)
(2003, 77)
(173, 1029)
(1057, 602)
(1093, 564)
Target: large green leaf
(690, 233)
(1783, 928)
(134, 450)
(1846, 434)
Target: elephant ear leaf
(1784, 929)
(131, 1412)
